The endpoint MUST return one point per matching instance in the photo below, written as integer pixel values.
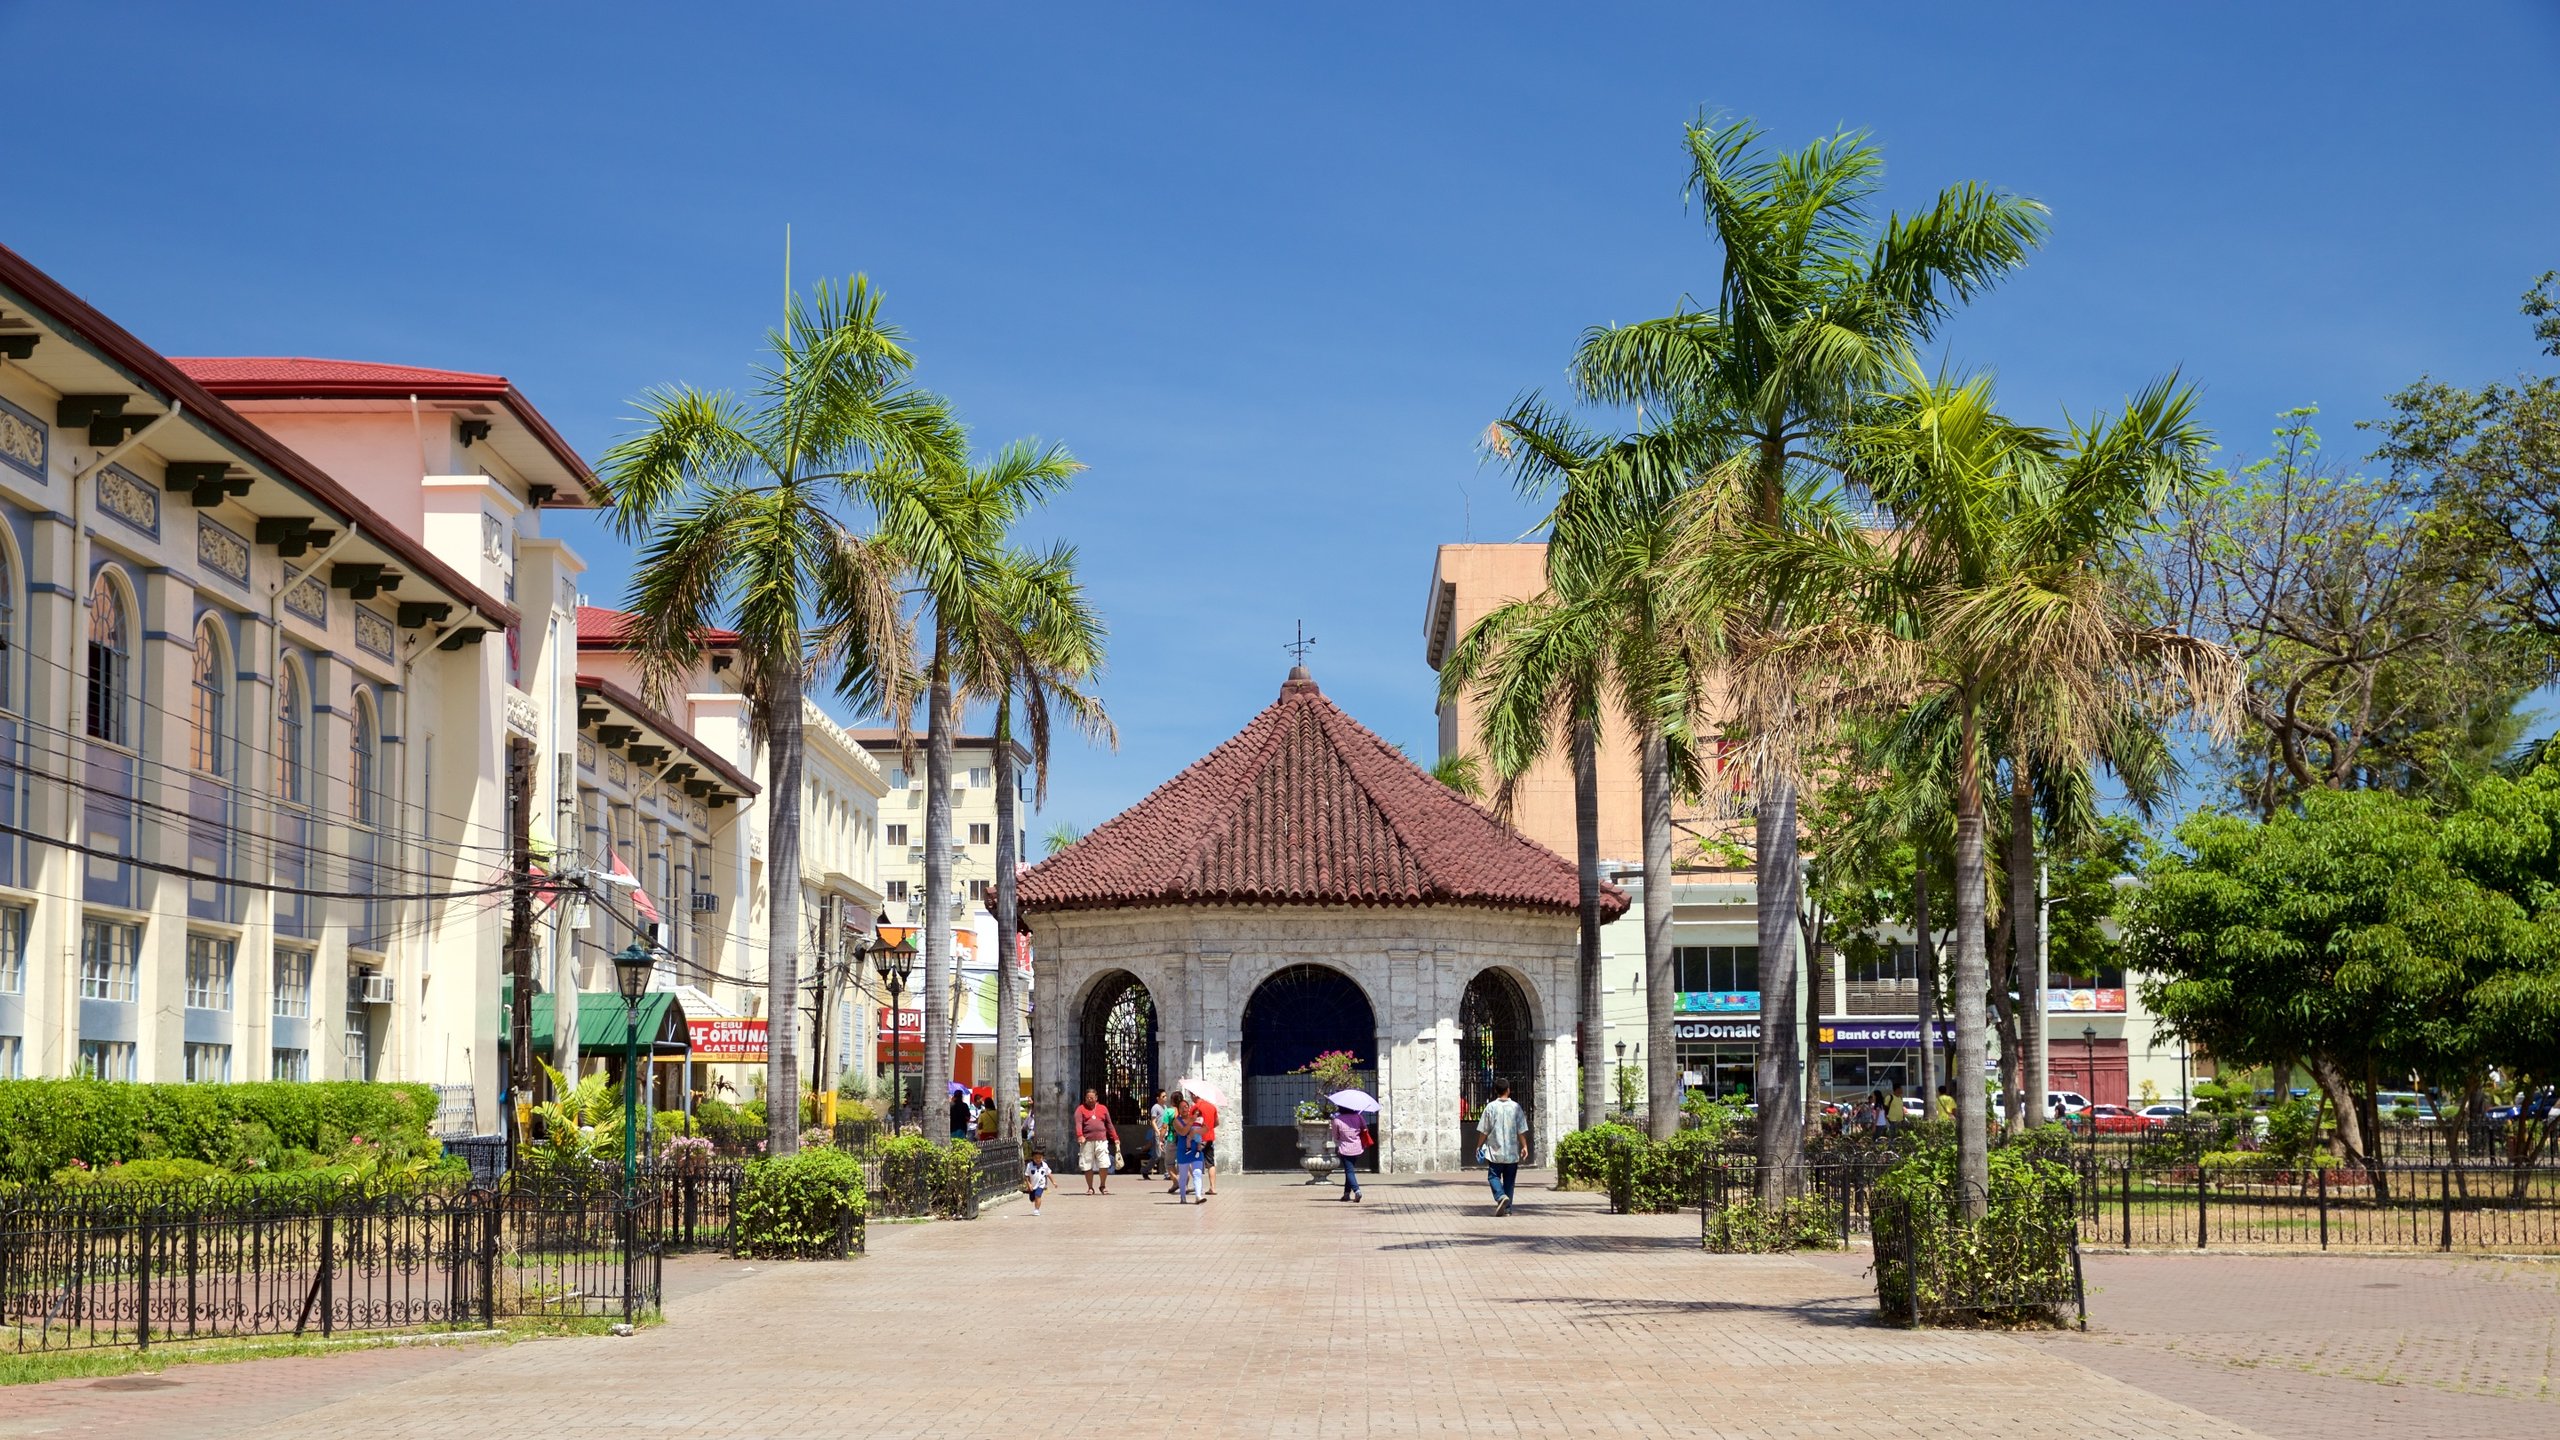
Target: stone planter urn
(1315, 1150)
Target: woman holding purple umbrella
(1348, 1147)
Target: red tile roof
(603, 629)
(300, 377)
(1305, 807)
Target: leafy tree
(2377, 655)
(2486, 463)
(2344, 934)
(753, 514)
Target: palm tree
(951, 533)
(748, 508)
(1607, 528)
(1060, 836)
(1816, 303)
(1538, 668)
(1044, 649)
(2006, 593)
(1461, 772)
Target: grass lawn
(27, 1367)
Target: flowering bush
(1334, 1070)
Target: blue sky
(1267, 270)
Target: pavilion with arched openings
(1305, 888)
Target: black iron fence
(2319, 1204)
(1838, 1195)
(114, 1265)
(2020, 1262)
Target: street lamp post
(893, 962)
(2089, 1064)
(631, 976)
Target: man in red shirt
(1204, 1122)
(1094, 1137)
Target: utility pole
(519, 938)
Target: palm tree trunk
(2024, 937)
(935, 996)
(782, 915)
(1927, 955)
(1972, 977)
(1661, 1064)
(1778, 1072)
(1588, 1038)
(1007, 1081)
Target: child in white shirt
(1035, 1179)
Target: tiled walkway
(1271, 1312)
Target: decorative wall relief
(586, 753)
(24, 441)
(305, 596)
(130, 498)
(222, 550)
(374, 633)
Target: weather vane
(1299, 647)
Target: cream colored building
(252, 726)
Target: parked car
(2107, 1120)
(2067, 1101)
(1915, 1108)
(2162, 1115)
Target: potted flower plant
(1333, 1070)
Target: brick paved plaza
(1274, 1311)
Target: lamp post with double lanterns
(631, 970)
(893, 961)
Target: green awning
(601, 1023)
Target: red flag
(639, 897)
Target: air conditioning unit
(705, 903)
(377, 989)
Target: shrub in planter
(2013, 1265)
(1657, 1177)
(1582, 1157)
(1746, 1227)
(808, 1206)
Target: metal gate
(1495, 1048)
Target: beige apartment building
(972, 1005)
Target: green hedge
(48, 1125)
(806, 1206)
(920, 1176)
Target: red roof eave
(667, 729)
(119, 347)
(238, 378)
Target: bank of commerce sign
(719, 1041)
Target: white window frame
(207, 1063)
(212, 962)
(109, 976)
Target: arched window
(289, 751)
(209, 751)
(8, 632)
(364, 775)
(110, 663)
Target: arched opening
(1300, 1012)
(1117, 1044)
(209, 731)
(1495, 1049)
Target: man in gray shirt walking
(1504, 1128)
